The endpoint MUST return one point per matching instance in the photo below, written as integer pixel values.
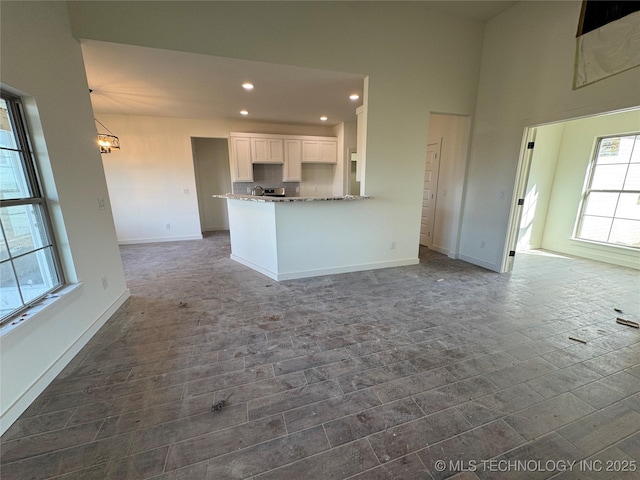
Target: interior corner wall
(417, 59)
(539, 185)
(574, 156)
(42, 62)
(213, 177)
(453, 133)
(526, 79)
(151, 179)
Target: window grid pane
(610, 211)
(29, 266)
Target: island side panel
(323, 238)
(252, 230)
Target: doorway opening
(444, 181)
(211, 167)
(552, 181)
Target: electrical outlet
(482, 244)
(105, 283)
(393, 246)
(248, 189)
(168, 226)
(185, 191)
(101, 204)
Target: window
(29, 266)
(611, 201)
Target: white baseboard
(480, 263)
(435, 248)
(277, 276)
(347, 269)
(17, 408)
(179, 238)
(253, 266)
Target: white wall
(574, 156)
(539, 184)
(211, 160)
(417, 59)
(452, 131)
(42, 61)
(526, 79)
(148, 176)
(317, 180)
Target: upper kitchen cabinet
(240, 159)
(290, 150)
(267, 150)
(292, 170)
(320, 151)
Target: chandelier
(107, 141)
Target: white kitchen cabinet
(240, 160)
(292, 170)
(267, 150)
(291, 151)
(319, 151)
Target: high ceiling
(132, 80)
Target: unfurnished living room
(319, 239)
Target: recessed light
(354, 96)
(244, 112)
(247, 86)
(324, 119)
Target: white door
(430, 194)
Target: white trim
(519, 189)
(255, 267)
(481, 263)
(325, 271)
(602, 253)
(56, 299)
(442, 250)
(17, 408)
(216, 229)
(134, 241)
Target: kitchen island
(297, 237)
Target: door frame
(519, 190)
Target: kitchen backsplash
(267, 176)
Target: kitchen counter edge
(252, 198)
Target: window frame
(24, 149)
(587, 190)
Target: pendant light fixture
(107, 141)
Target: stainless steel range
(274, 192)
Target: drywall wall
(417, 60)
(211, 160)
(42, 62)
(314, 254)
(151, 179)
(525, 80)
(575, 153)
(452, 131)
(539, 184)
(317, 180)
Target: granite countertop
(252, 198)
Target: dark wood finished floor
(374, 375)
